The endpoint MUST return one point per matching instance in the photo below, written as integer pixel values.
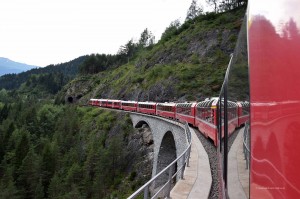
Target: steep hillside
(49, 79)
(188, 63)
(8, 66)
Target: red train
(201, 115)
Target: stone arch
(141, 123)
(166, 155)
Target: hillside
(8, 66)
(42, 81)
(188, 63)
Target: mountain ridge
(8, 66)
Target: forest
(59, 151)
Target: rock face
(200, 47)
(189, 66)
(140, 142)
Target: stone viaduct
(169, 137)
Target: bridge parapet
(170, 141)
(159, 127)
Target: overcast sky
(43, 32)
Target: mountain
(8, 66)
(188, 63)
(66, 71)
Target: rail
(184, 158)
(246, 145)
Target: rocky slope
(188, 66)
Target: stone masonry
(165, 134)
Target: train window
(162, 107)
(128, 104)
(184, 108)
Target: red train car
(243, 112)
(233, 117)
(94, 102)
(129, 105)
(205, 118)
(166, 110)
(113, 104)
(103, 102)
(147, 107)
(185, 112)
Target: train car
(205, 118)
(185, 112)
(232, 111)
(94, 102)
(147, 107)
(129, 105)
(243, 112)
(114, 104)
(102, 102)
(167, 110)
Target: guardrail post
(182, 163)
(188, 157)
(146, 192)
(169, 182)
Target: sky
(280, 13)
(44, 32)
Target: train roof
(213, 102)
(167, 104)
(186, 104)
(124, 101)
(152, 103)
(113, 100)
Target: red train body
(167, 110)
(201, 115)
(243, 112)
(205, 118)
(114, 104)
(102, 102)
(129, 105)
(185, 112)
(274, 67)
(94, 102)
(147, 107)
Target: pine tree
(29, 174)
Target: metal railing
(184, 158)
(246, 144)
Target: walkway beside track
(238, 175)
(197, 177)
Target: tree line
(96, 63)
(68, 70)
(59, 151)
